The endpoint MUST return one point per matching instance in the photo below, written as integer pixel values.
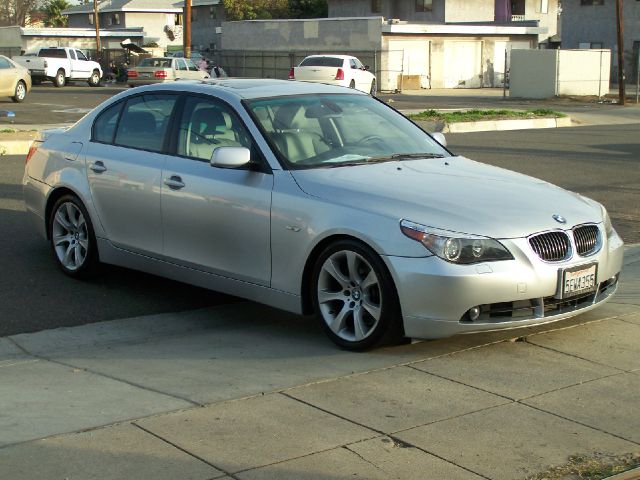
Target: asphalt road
(600, 162)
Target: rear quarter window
(322, 62)
(105, 125)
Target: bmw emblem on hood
(559, 218)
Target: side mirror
(230, 157)
(366, 67)
(440, 138)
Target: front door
(124, 170)
(215, 219)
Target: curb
(495, 125)
(628, 475)
(15, 147)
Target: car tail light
(132, 74)
(32, 150)
(292, 74)
(340, 74)
(160, 74)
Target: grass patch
(476, 115)
(8, 130)
(590, 467)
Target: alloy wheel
(70, 236)
(349, 296)
(21, 91)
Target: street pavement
(243, 391)
(247, 392)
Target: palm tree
(53, 9)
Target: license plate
(146, 75)
(579, 280)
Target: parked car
(335, 70)
(314, 199)
(164, 69)
(15, 81)
(60, 65)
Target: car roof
(250, 88)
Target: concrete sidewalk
(246, 392)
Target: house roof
(151, 6)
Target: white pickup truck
(60, 64)
(340, 70)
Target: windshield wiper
(401, 156)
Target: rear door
(124, 168)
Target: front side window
(180, 65)
(423, 5)
(315, 131)
(81, 55)
(144, 122)
(191, 66)
(206, 125)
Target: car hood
(452, 193)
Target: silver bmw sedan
(318, 200)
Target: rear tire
(352, 84)
(355, 298)
(59, 80)
(72, 239)
(20, 92)
(94, 79)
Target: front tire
(355, 298)
(20, 92)
(352, 84)
(73, 242)
(373, 90)
(60, 80)
(94, 79)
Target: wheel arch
(53, 198)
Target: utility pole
(96, 22)
(621, 79)
(186, 36)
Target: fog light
(474, 313)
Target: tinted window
(72, 54)
(191, 66)
(52, 53)
(180, 65)
(80, 55)
(322, 62)
(207, 125)
(144, 122)
(105, 125)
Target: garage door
(462, 64)
(407, 57)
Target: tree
(15, 12)
(53, 9)
(255, 9)
(308, 9)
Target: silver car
(318, 200)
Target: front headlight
(453, 247)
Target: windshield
(312, 131)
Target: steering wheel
(370, 139)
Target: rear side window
(105, 125)
(144, 122)
(322, 62)
(4, 63)
(52, 53)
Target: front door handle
(174, 182)
(98, 167)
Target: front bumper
(435, 295)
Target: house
(206, 22)
(592, 24)
(161, 20)
(409, 43)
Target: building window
(212, 12)
(177, 20)
(114, 19)
(91, 19)
(591, 2)
(423, 5)
(375, 6)
(543, 6)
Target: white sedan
(340, 70)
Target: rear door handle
(174, 182)
(98, 167)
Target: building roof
(80, 32)
(151, 6)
